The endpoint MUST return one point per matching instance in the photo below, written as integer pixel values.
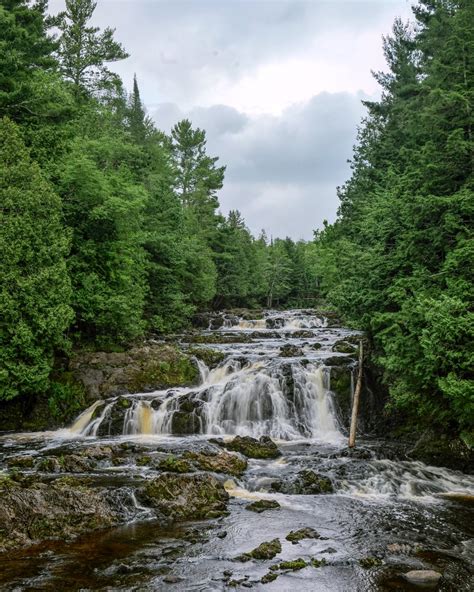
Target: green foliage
(35, 290)
(83, 51)
(398, 261)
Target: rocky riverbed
(239, 479)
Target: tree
(35, 289)
(139, 125)
(197, 177)
(25, 49)
(83, 51)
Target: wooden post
(355, 403)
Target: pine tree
(25, 49)
(84, 51)
(35, 288)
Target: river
(386, 515)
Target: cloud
(282, 171)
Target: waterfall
(84, 419)
(260, 398)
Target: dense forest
(398, 261)
(111, 229)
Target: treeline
(109, 228)
(399, 259)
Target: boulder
(422, 577)
(62, 509)
(267, 550)
(295, 536)
(185, 496)
(306, 482)
(221, 462)
(261, 505)
(291, 351)
(265, 447)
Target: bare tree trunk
(355, 403)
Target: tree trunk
(355, 403)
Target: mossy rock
(186, 497)
(21, 462)
(303, 533)
(261, 505)
(293, 565)
(269, 577)
(211, 357)
(265, 447)
(369, 562)
(229, 464)
(159, 374)
(344, 347)
(318, 562)
(175, 464)
(306, 482)
(267, 550)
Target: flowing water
(274, 380)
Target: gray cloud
(282, 171)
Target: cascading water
(275, 380)
(287, 402)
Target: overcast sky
(277, 85)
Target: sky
(276, 84)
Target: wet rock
(261, 505)
(141, 369)
(339, 361)
(57, 510)
(211, 357)
(49, 464)
(303, 533)
(291, 351)
(267, 550)
(441, 450)
(97, 452)
(329, 550)
(293, 565)
(175, 464)
(422, 577)
(73, 463)
(269, 577)
(318, 562)
(344, 347)
(172, 579)
(306, 482)
(369, 562)
(222, 462)
(21, 462)
(265, 447)
(185, 497)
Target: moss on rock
(186, 497)
(267, 550)
(265, 447)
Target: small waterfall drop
(84, 419)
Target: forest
(111, 229)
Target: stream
(386, 515)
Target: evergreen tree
(84, 51)
(35, 289)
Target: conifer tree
(84, 51)
(35, 290)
